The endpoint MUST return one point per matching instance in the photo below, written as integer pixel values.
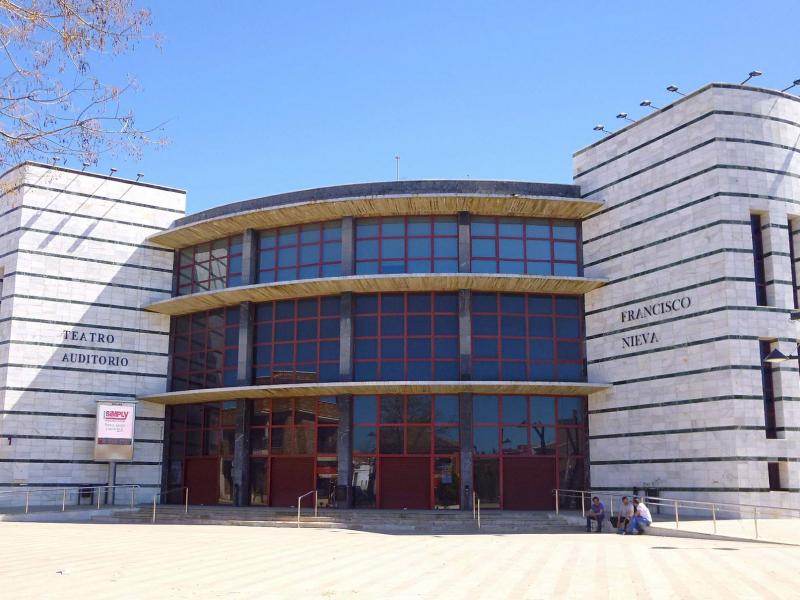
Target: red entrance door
(291, 478)
(528, 483)
(405, 482)
(202, 479)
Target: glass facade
(205, 349)
(286, 428)
(526, 337)
(300, 252)
(405, 337)
(201, 447)
(419, 427)
(406, 245)
(210, 266)
(406, 448)
(524, 246)
(296, 341)
(546, 429)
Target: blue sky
(266, 97)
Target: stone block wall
(76, 270)
(677, 327)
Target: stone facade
(677, 327)
(76, 269)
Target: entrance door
(202, 479)
(405, 482)
(289, 479)
(528, 483)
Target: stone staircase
(381, 521)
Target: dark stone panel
(344, 452)
(348, 247)
(241, 453)
(165, 449)
(244, 371)
(346, 337)
(249, 256)
(464, 237)
(465, 426)
(390, 188)
(464, 335)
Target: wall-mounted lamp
(750, 75)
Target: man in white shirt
(641, 517)
(624, 515)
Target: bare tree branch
(50, 102)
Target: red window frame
(526, 336)
(325, 462)
(205, 347)
(548, 265)
(271, 252)
(564, 433)
(406, 425)
(214, 435)
(436, 361)
(268, 318)
(372, 264)
(228, 260)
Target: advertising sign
(114, 431)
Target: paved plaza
(41, 560)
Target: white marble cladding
(677, 328)
(76, 270)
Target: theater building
(405, 344)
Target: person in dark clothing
(597, 512)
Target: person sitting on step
(641, 517)
(625, 515)
(597, 512)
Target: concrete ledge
(370, 284)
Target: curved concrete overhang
(545, 388)
(435, 197)
(365, 284)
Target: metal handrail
(676, 504)
(67, 490)
(476, 508)
(299, 504)
(185, 500)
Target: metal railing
(476, 509)
(66, 492)
(300, 503)
(157, 495)
(675, 505)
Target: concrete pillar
(249, 256)
(244, 408)
(165, 454)
(241, 454)
(464, 335)
(344, 440)
(465, 426)
(346, 337)
(344, 452)
(464, 265)
(348, 247)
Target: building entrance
(406, 452)
(202, 479)
(290, 479)
(405, 482)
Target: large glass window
(210, 266)
(405, 337)
(526, 337)
(406, 245)
(201, 432)
(205, 349)
(296, 341)
(300, 252)
(417, 425)
(293, 427)
(537, 427)
(524, 246)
